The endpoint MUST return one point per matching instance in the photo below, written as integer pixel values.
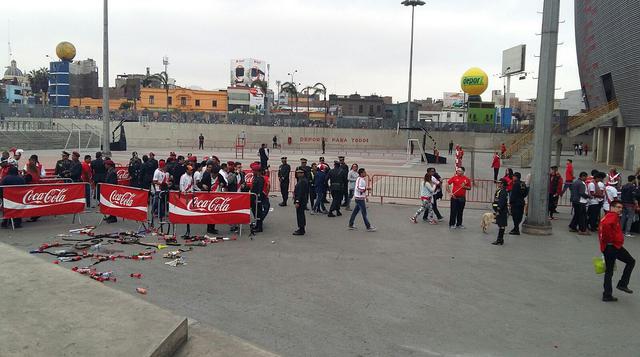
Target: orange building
(155, 99)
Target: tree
(163, 78)
(39, 81)
(292, 90)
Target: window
(370, 109)
(183, 101)
(609, 89)
(378, 109)
(448, 115)
(152, 99)
(197, 102)
(360, 109)
(169, 100)
(214, 103)
(17, 91)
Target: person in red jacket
(611, 246)
(496, 166)
(568, 176)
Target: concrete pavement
(406, 290)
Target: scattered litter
(176, 262)
(142, 291)
(172, 255)
(136, 275)
(273, 242)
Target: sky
(352, 46)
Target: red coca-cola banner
(43, 200)
(122, 201)
(210, 208)
(123, 175)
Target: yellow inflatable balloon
(474, 81)
(66, 51)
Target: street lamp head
(413, 3)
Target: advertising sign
(245, 71)
(43, 200)
(452, 100)
(126, 202)
(209, 208)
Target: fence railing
(408, 187)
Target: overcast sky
(349, 45)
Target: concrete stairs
(520, 152)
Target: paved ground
(406, 290)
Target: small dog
(487, 219)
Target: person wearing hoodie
(611, 241)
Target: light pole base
(537, 229)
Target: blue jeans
(360, 206)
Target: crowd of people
(591, 195)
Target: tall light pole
(105, 83)
(537, 222)
(413, 4)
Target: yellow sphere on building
(474, 81)
(66, 51)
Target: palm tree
(307, 90)
(320, 88)
(263, 86)
(163, 78)
(291, 89)
(39, 81)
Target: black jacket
(628, 193)
(283, 172)
(301, 192)
(336, 179)
(578, 190)
(112, 177)
(98, 170)
(75, 171)
(500, 207)
(518, 193)
(62, 168)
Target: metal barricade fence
(408, 187)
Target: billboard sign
(453, 100)
(245, 71)
(513, 60)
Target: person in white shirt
(351, 178)
(360, 197)
(427, 190)
(187, 186)
(595, 189)
(610, 194)
(197, 176)
(159, 188)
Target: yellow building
(155, 99)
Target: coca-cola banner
(210, 208)
(122, 201)
(123, 175)
(43, 200)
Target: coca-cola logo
(124, 199)
(54, 195)
(123, 174)
(217, 204)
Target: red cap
(255, 166)
(193, 158)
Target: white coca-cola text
(122, 174)
(54, 195)
(218, 204)
(124, 199)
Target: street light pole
(413, 4)
(105, 83)
(537, 222)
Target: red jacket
(558, 189)
(568, 173)
(610, 231)
(496, 162)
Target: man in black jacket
(579, 198)
(98, 172)
(300, 198)
(501, 208)
(307, 174)
(111, 178)
(344, 175)
(63, 165)
(336, 185)
(519, 192)
(134, 169)
(264, 156)
(283, 176)
(75, 169)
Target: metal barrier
(408, 187)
